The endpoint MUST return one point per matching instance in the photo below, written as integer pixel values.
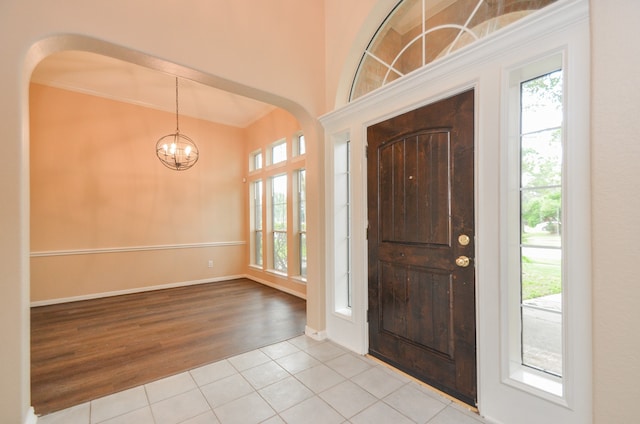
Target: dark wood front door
(421, 229)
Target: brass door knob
(462, 261)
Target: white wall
(615, 138)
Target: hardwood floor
(85, 350)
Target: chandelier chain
(177, 124)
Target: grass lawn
(540, 278)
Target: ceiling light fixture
(177, 151)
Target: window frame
(515, 372)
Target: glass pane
(257, 189)
(302, 200)
(302, 148)
(542, 339)
(542, 158)
(279, 202)
(541, 216)
(279, 153)
(280, 251)
(303, 254)
(257, 243)
(541, 221)
(541, 275)
(372, 74)
(390, 39)
(257, 161)
(542, 103)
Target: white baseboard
(315, 334)
(32, 418)
(134, 290)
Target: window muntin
(418, 32)
(279, 223)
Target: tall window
(279, 222)
(302, 221)
(257, 223)
(536, 217)
(342, 224)
(541, 220)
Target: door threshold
(423, 384)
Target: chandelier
(177, 151)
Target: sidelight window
(536, 221)
(342, 224)
(541, 221)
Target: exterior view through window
(541, 115)
(279, 152)
(302, 222)
(257, 223)
(279, 222)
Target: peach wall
(271, 51)
(97, 184)
(276, 126)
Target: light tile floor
(297, 381)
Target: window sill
(276, 272)
(344, 313)
(299, 279)
(537, 383)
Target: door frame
(480, 66)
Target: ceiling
(103, 76)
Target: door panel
(414, 178)
(420, 200)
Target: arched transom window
(418, 32)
